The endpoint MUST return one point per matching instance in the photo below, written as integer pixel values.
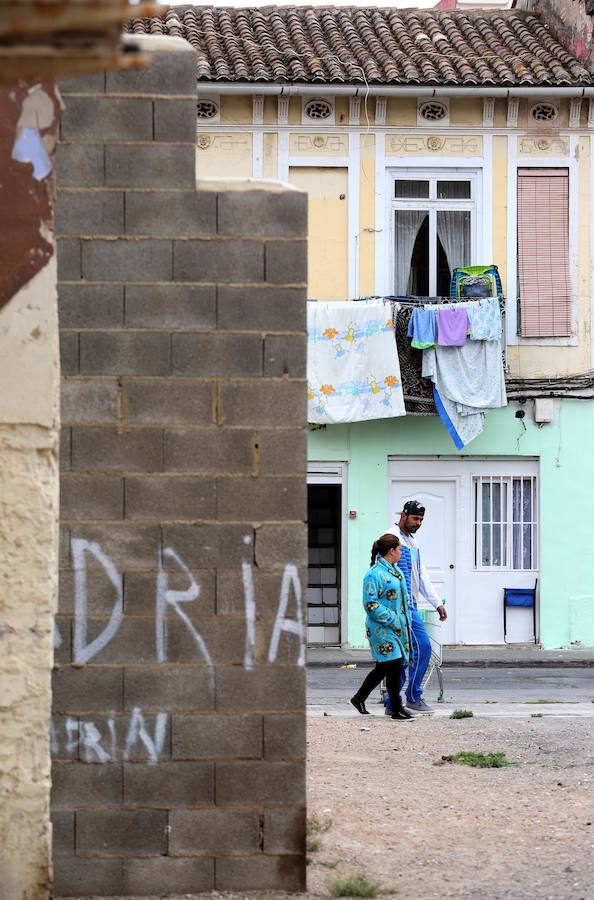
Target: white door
(436, 537)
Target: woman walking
(388, 623)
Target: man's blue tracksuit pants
(420, 656)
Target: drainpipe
(342, 90)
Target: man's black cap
(413, 508)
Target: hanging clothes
(422, 328)
(353, 369)
(467, 381)
(485, 320)
(452, 326)
(418, 391)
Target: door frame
(336, 473)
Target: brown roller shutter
(543, 252)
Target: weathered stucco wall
(28, 488)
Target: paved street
(492, 692)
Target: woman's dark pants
(389, 670)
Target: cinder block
(172, 71)
(277, 545)
(126, 260)
(121, 353)
(63, 653)
(62, 833)
(260, 783)
(284, 831)
(65, 449)
(87, 689)
(91, 497)
(178, 401)
(208, 545)
(64, 548)
(169, 687)
(89, 212)
(267, 688)
(168, 785)
(150, 166)
(80, 165)
(121, 832)
(76, 877)
(263, 213)
(286, 262)
(106, 119)
(171, 306)
(69, 353)
(171, 213)
(262, 308)
(219, 354)
(267, 587)
(283, 452)
(139, 591)
(263, 403)
(76, 784)
(129, 546)
(285, 355)
(284, 737)
(171, 499)
(69, 259)
(175, 120)
(228, 261)
(217, 736)
(93, 83)
(101, 593)
(197, 832)
(91, 305)
(261, 499)
(206, 450)
(86, 402)
(261, 873)
(132, 738)
(164, 875)
(96, 449)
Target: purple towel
(452, 325)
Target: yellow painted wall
(236, 110)
(224, 155)
(500, 206)
(327, 256)
(401, 111)
(366, 240)
(270, 156)
(466, 112)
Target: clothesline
(427, 301)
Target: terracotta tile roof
(351, 45)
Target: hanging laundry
(452, 326)
(485, 320)
(353, 372)
(467, 381)
(418, 392)
(422, 328)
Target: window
(505, 524)
(433, 222)
(544, 282)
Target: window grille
(544, 112)
(206, 109)
(318, 109)
(544, 282)
(505, 522)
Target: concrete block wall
(178, 700)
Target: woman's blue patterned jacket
(385, 600)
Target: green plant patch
(545, 701)
(316, 825)
(462, 714)
(312, 843)
(358, 885)
(478, 760)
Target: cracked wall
(29, 381)
(178, 715)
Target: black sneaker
(402, 715)
(360, 706)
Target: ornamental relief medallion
(221, 142)
(544, 146)
(454, 145)
(319, 144)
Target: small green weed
(462, 714)
(312, 843)
(318, 826)
(357, 885)
(536, 716)
(495, 701)
(546, 701)
(478, 760)
(328, 865)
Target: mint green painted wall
(565, 450)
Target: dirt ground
(425, 831)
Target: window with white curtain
(505, 522)
(433, 228)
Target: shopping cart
(433, 626)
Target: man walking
(419, 587)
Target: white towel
(353, 370)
